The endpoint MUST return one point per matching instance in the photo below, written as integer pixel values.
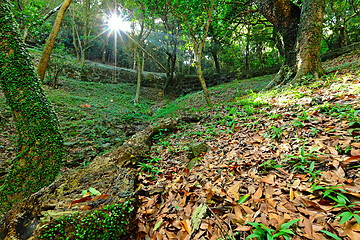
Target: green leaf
(243, 199)
(83, 192)
(94, 191)
(345, 216)
(254, 235)
(357, 218)
(330, 235)
(157, 225)
(312, 166)
(288, 224)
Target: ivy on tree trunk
(39, 142)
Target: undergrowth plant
(335, 193)
(262, 232)
(275, 132)
(303, 159)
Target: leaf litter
(293, 159)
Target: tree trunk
(285, 16)
(138, 84)
(197, 56)
(342, 42)
(170, 74)
(216, 61)
(40, 146)
(46, 17)
(51, 41)
(309, 39)
(247, 51)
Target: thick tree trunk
(45, 57)
(285, 16)
(40, 146)
(343, 41)
(309, 39)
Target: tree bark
(39, 142)
(46, 17)
(216, 61)
(247, 50)
(51, 41)
(170, 74)
(139, 71)
(309, 39)
(285, 16)
(197, 55)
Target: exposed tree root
(113, 173)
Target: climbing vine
(39, 142)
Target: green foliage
(274, 132)
(334, 236)
(39, 141)
(262, 232)
(149, 169)
(336, 194)
(109, 223)
(302, 160)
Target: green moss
(39, 142)
(109, 223)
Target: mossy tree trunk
(39, 142)
(45, 57)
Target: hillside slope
(290, 155)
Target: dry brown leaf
(291, 194)
(308, 227)
(257, 195)
(182, 235)
(86, 207)
(340, 173)
(170, 234)
(353, 235)
(356, 227)
(187, 225)
(296, 183)
(355, 144)
(333, 151)
(354, 152)
(248, 210)
(267, 180)
(177, 224)
(243, 228)
(233, 191)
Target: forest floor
(284, 162)
(278, 163)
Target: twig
(218, 224)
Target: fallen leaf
(85, 207)
(187, 225)
(79, 201)
(355, 144)
(291, 194)
(257, 195)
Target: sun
(116, 23)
